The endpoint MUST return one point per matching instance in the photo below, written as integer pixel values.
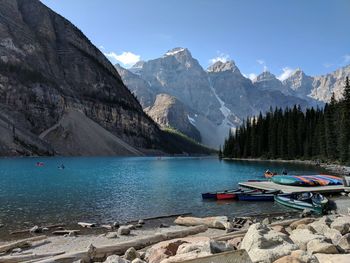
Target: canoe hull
(209, 196)
(300, 205)
(226, 196)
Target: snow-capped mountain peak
(220, 66)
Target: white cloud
(286, 73)
(220, 57)
(126, 58)
(346, 58)
(263, 63)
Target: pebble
(2, 225)
(16, 250)
(141, 222)
(116, 225)
(162, 225)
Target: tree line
(321, 133)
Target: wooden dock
(268, 185)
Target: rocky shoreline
(291, 237)
(338, 169)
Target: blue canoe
(258, 196)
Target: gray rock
(266, 245)
(123, 231)
(112, 235)
(116, 224)
(333, 234)
(116, 259)
(139, 225)
(302, 237)
(137, 260)
(342, 224)
(306, 213)
(320, 246)
(344, 243)
(2, 225)
(131, 254)
(72, 234)
(266, 221)
(45, 229)
(141, 222)
(220, 246)
(35, 229)
(163, 225)
(131, 227)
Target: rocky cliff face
(48, 68)
(170, 112)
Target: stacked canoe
(307, 180)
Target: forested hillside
(292, 133)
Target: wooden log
(28, 257)
(20, 243)
(28, 230)
(219, 222)
(100, 253)
(87, 225)
(65, 232)
(161, 217)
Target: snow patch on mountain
(174, 51)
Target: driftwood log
(28, 230)
(87, 225)
(218, 222)
(100, 253)
(28, 257)
(20, 243)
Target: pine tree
(345, 124)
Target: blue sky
(278, 35)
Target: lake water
(107, 189)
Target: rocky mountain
(217, 99)
(58, 92)
(268, 82)
(168, 111)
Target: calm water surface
(105, 189)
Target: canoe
(315, 203)
(208, 195)
(307, 180)
(258, 196)
(230, 194)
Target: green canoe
(317, 204)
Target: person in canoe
(39, 164)
(268, 174)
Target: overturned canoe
(315, 203)
(307, 180)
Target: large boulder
(320, 227)
(219, 222)
(342, 224)
(263, 244)
(166, 249)
(333, 235)
(335, 258)
(320, 246)
(303, 256)
(236, 242)
(344, 243)
(303, 236)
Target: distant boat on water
(40, 164)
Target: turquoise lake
(107, 189)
